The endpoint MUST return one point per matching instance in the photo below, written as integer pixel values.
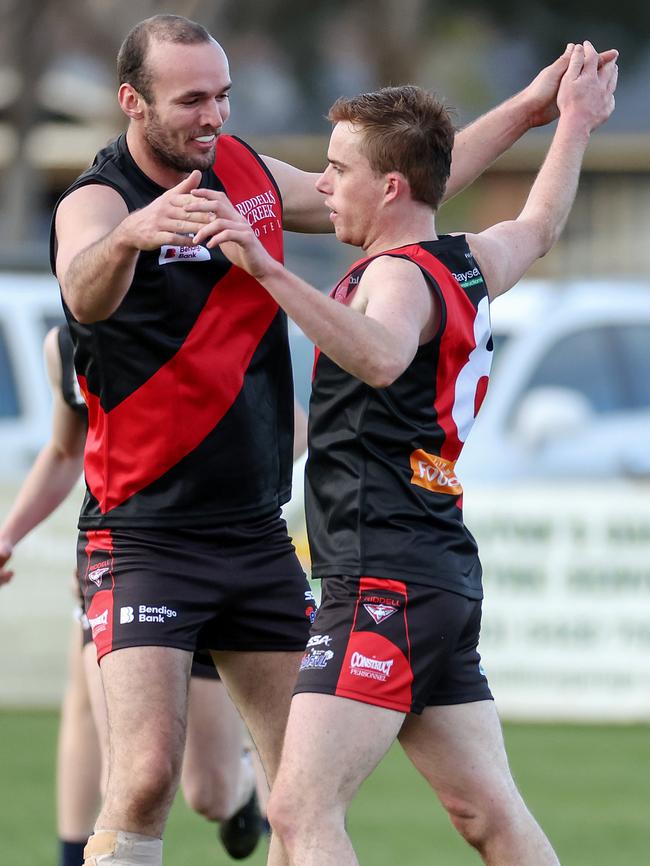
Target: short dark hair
(131, 59)
(405, 129)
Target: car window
(586, 362)
(9, 404)
(634, 348)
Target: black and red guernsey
(188, 383)
(70, 390)
(382, 496)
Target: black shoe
(240, 834)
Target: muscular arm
(476, 147)
(55, 470)
(99, 241)
(94, 262)
(374, 339)
(506, 251)
(479, 144)
(303, 206)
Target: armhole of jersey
(476, 264)
(263, 165)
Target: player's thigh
(336, 741)
(146, 700)
(459, 749)
(214, 730)
(260, 685)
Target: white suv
(29, 305)
(570, 389)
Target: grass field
(588, 786)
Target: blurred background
(557, 471)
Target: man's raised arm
(487, 138)
(99, 241)
(586, 99)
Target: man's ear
(131, 102)
(395, 186)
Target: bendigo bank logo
(169, 253)
(434, 473)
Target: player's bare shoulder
(83, 217)
(397, 285)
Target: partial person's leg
(327, 755)
(216, 778)
(146, 698)
(260, 685)
(78, 761)
(460, 751)
(95, 689)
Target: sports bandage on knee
(117, 848)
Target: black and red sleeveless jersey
(382, 496)
(69, 385)
(188, 383)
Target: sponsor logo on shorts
(149, 613)
(319, 640)
(169, 253)
(97, 574)
(310, 610)
(434, 473)
(380, 612)
(99, 623)
(316, 659)
(371, 668)
(126, 615)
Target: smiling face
(353, 191)
(189, 105)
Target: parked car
(570, 389)
(29, 306)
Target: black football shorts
(235, 587)
(395, 645)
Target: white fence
(566, 623)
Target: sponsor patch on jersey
(434, 473)
(170, 254)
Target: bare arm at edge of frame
(506, 250)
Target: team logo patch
(96, 574)
(169, 253)
(380, 612)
